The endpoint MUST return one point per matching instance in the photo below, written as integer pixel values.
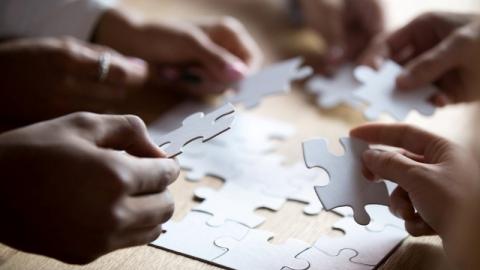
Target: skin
(438, 184)
(71, 193)
(348, 26)
(439, 48)
(217, 52)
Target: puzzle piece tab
(255, 252)
(319, 260)
(336, 90)
(235, 203)
(197, 126)
(193, 237)
(380, 92)
(347, 186)
(274, 79)
(370, 247)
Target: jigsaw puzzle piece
(380, 92)
(235, 203)
(197, 126)
(254, 251)
(347, 185)
(275, 79)
(380, 215)
(336, 90)
(321, 261)
(371, 247)
(193, 237)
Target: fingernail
(335, 54)
(138, 62)
(236, 71)
(370, 155)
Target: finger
(418, 227)
(232, 35)
(150, 210)
(392, 166)
(121, 71)
(398, 135)
(374, 55)
(149, 175)
(401, 205)
(429, 66)
(137, 237)
(120, 132)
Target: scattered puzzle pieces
(255, 252)
(347, 186)
(197, 126)
(336, 90)
(319, 260)
(380, 92)
(275, 79)
(235, 203)
(193, 237)
(370, 247)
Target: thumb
(429, 66)
(392, 166)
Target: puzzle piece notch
(381, 217)
(198, 126)
(371, 247)
(193, 237)
(319, 260)
(336, 90)
(347, 185)
(380, 92)
(235, 203)
(254, 251)
(274, 79)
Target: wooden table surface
(267, 21)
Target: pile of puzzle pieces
(223, 228)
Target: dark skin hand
(68, 190)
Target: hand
(45, 78)
(440, 48)
(70, 193)
(348, 26)
(435, 177)
(202, 58)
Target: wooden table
(262, 17)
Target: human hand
(45, 78)
(440, 48)
(348, 26)
(435, 176)
(69, 192)
(201, 58)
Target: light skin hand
(218, 52)
(55, 76)
(439, 48)
(435, 176)
(71, 193)
(348, 26)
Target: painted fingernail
(236, 71)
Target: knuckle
(115, 220)
(84, 120)
(168, 209)
(229, 23)
(134, 125)
(171, 172)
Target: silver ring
(104, 66)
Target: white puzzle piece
(371, 247)
(235, 203)
(319, 260)
(254, 251)
(194, 238)
(275, 79)
(380, 92)
(380, 215)
(197, 126)
(336, 90)
(347, 185)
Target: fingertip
(236, 70)
(405, 80)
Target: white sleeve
(37, 18)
